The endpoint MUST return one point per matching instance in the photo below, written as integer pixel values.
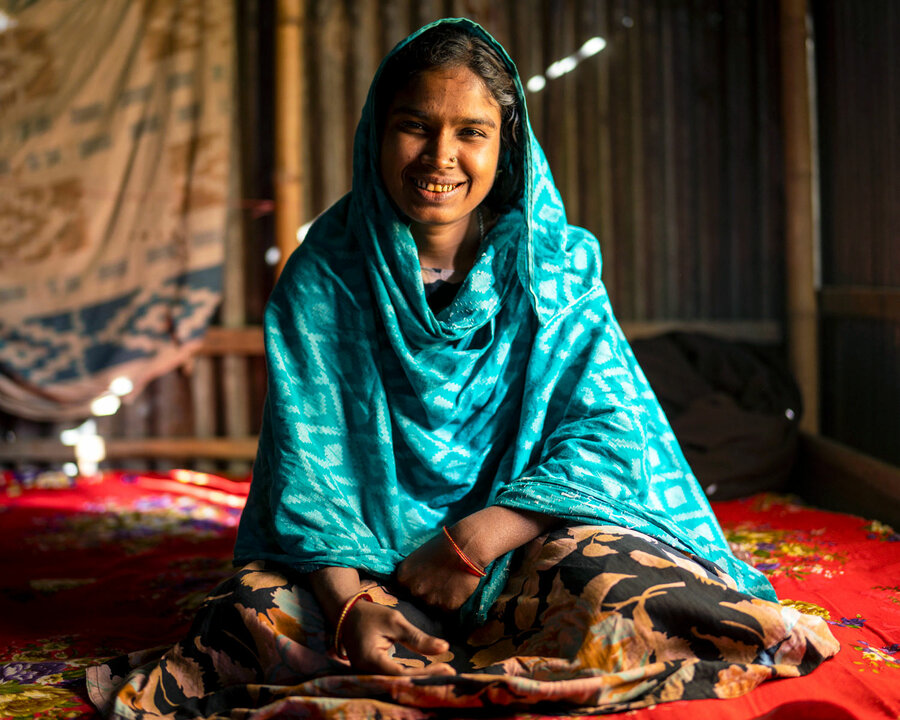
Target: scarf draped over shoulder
(384, 421)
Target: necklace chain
(480, 226)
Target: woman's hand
(435, 574)
(369, 633)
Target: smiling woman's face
(440, 148)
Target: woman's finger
(377, 629)
(417, 640)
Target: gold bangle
(361, 595)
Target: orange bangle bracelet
(361, 595)
(471, 567)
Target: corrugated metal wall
(858, 67)
(666, 145)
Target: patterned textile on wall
(115, 140)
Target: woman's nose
(440, 151)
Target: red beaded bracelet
(471, 567)
(361, 595)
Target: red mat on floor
(103, 566)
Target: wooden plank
(169, 448)
(247, 340)
(861, 302)
(836, 477)
(802, 322)
(761, 331)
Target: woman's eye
(412, 125)
(472, 132)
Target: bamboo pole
(235, 396)
(288, 119)
(802, 329)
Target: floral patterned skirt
(593, 619)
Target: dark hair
(446, 46)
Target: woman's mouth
(435, 187)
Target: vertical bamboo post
(233, 371)
(796, 100)
(288, 118)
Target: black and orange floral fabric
(595, 619)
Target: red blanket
(95, 568)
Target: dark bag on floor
(734, 407)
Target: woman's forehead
(441, 86)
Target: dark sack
(734, 407)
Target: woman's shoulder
(327, 247)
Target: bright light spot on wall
(70, 437)
(566, 65)
(90, 448)
(536, 84)
(273, 255)
(106, 404)
(89, 453)
(592, 47)
(6, 22)
(121, 386)
(561, 67)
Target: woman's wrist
(333, 587)
(487, 534)
(348, 605)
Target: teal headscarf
(384, 421)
